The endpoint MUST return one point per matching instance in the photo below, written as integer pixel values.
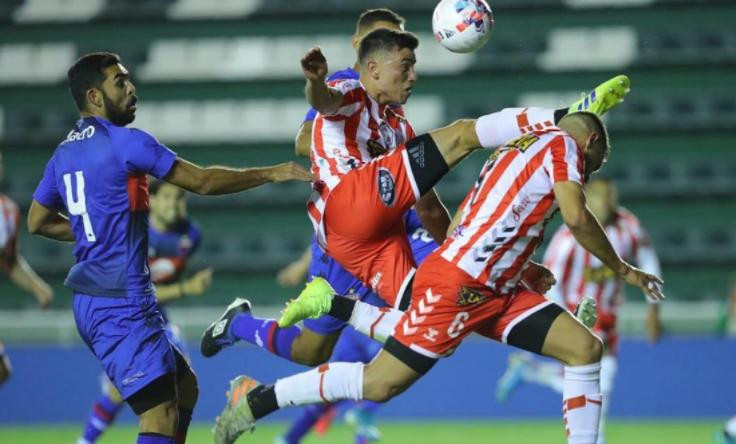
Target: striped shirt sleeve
(352, 100)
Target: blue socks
(103, 413)
(264, 333)
(154, 438)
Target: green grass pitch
(430, 432)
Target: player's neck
(160, 225)
(85, 114)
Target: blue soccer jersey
(169, 251)
(98, 176)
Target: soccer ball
(462, 25)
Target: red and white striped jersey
(504, 215)
(359, 131)
(9, 222)
(580, 274)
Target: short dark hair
(371, 16)
(595, 123)
(386, 40)
(88, 72)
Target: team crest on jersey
(467, 296)
(387, 134)
(386, 186)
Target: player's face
(395, 75)
(169, 204)
(118, 95)
(602, 199)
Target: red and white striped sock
(581, 405)
(494, 130)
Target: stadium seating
(222, 85)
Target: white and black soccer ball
(462, 25)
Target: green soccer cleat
(236, 418)
(314, 301)
(587, 312)
(604, 97)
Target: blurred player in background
(172, 240)
(98, 176)
(728, 435)
(14, 265)
(580, 274)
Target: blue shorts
(353, 346)
(128, 336)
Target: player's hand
(292, 275)
(290, 171)
(648, 283)
(198, 283)
(314, 65)
(44, 297)
(538, 277)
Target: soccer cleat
(236, 418)
(587, 312)
(217, 334)
(513, 377)
(604, 97)
(364, 429)
(314, 301)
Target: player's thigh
(456, 141)
(371, 200)
(387, 376)
(5, 368)
(385, 265)
(156, 405)
(571, 342)
(314, 347)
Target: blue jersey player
(98, 177)
(172, 240)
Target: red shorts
(364, 224)
(447, 305)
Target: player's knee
(381, 391)
(589, 350)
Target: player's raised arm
(49, 223)
(223, 180)
(588, 232)
(321, 97)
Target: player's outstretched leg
(319, 299)
(604, 97)
(247, 401)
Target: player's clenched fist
(314, 64)
(538, 277)
(290, 171)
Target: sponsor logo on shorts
(375, 280)
(467, 296)
(431, 334)
(386, 186)
(132, 379)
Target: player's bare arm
(22, 275)
(223, 180)
(321, 97)
(433, 215)
(653, 323)
(49, 223)
(195, 285)
(303, 141)
(588, 232)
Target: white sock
(327, 383)
(608, 373)
(581, 405)
(374, 322)
(548, 374)
(496, 129)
